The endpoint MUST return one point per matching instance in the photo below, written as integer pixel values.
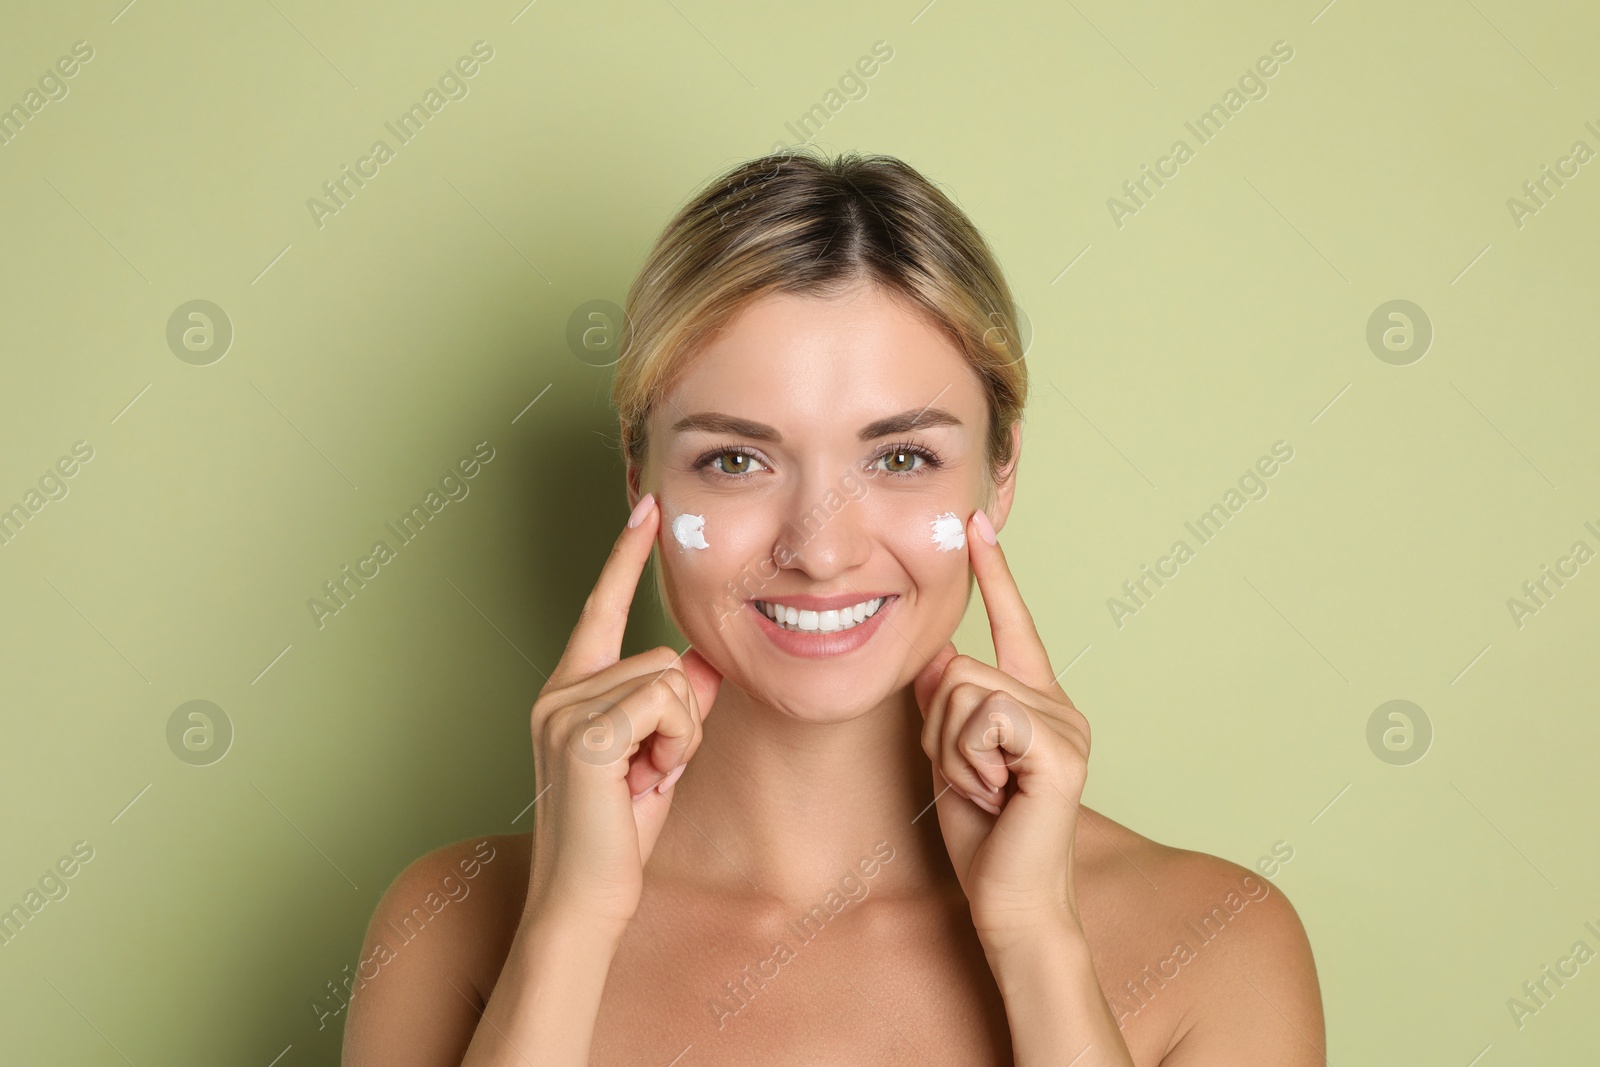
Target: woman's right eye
(733, 463)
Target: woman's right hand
(605, 729)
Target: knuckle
(954, 675)
(550, 731)
(962, 699)
(662, 691)
(999, 702)
(567, 719)
(548, 699)
(961, 663)
(966, 694)
(654, 700)
(674, 679)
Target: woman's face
(819, 454)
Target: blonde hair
(794, 222)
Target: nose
(822, 533)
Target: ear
(1005, 488)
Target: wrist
(1053, 945)
(1023, 931)
(561, 923)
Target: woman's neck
(773, 806)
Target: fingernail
(647, 791)
(667, 782)
(639, 510)
(986, 528)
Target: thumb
(703, 678)
(927, 680)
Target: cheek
(707, 586)
(928, 535)
(708, 534)
(705, 545)
(689, 531)
(948, 532)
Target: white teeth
(820, 622)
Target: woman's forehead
(849, 361)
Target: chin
(819, 701)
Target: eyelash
(931, 460)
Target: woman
(821, 834)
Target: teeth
(821, 622)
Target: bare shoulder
(1209, 954)
(433, 948)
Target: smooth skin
(1015, 927)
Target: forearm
(1053, 1001)
(543, 1008)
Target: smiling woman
(841, 330)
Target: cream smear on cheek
(690, 531)
(949, 533)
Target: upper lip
(810, 602)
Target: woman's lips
(814, 646)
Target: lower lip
(814, 646)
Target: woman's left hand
(1010, 755)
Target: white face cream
(949, 532)
(690, 530)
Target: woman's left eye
(905, 460)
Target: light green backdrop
(1173, 345)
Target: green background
(1168, 353)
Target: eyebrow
(716, 422)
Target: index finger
(1018, 649)
(596, 641)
